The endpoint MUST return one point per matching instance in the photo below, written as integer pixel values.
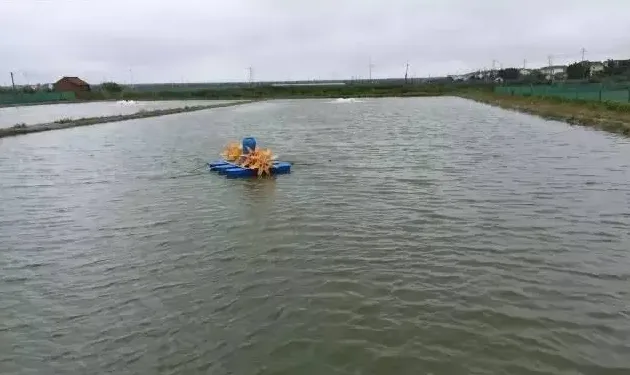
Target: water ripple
(428, 235)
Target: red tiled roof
(74, 80)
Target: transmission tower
(370, 66)
(250, 75)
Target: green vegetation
(23, 96)
(596, 92)
(111, 87)
(285, 92)
(609, 116)
(608, 71)
(114, 91)
(509, 74)
(579, 70)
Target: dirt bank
(71, 123)
(612, 117)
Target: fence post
(600, 94)
(628, 94)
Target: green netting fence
(37, 97)
(590, 92)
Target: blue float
(231, 170)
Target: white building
(596, 67)
(553, 71)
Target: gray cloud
(196, 40)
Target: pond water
(414, 236)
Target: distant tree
(578, 70)
(111, 87)
(609, 67)
(509, 73)
(535, 76)
(28, 89)
(616, 67)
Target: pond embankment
(19, 129)
(608, 116)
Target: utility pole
(406, 72)
(587, 70)
(551, 75)
(370, 66)
(12, 81)
(251, 75)
(524, 63)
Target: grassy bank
(608, 116)
(268, 91)
(19, 129)
(291, 92)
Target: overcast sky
(212, 40)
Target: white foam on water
(126, 102)
(346, 100)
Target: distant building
(596, 67)
(555, 71)
(74, 84)
(286, 84)
(461, 77)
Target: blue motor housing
(249, 144)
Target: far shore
(20, 129)
(608, 116)
(55, 102)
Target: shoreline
(21, 129)
(260, 93)
(116, 100)
(610, 117)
